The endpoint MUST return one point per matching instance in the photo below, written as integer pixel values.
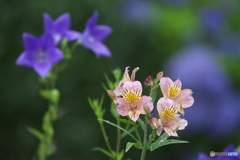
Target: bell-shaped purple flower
(40, 53)
(60, 28)
(94, 35)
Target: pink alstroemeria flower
(173, 90)
(169, 120)
(128, 96)
(118, 91)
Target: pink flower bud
(148, 81)
(159, 75)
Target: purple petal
(62, 23)
(230, 148)
(23, 61)
(92, 21)
(46, 41)
(55, 55)
(101, 32)
(48, 23)
(30, 42)
(42, 69)
(202, 156)
(73, 35)
(98, 48)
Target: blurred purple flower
(94, 35)
(216, 104)
(60, 28)
(213, 19)
(137, 11)
(230, 45)
(229, 148)
(40, 53)
(177, 2)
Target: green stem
(75, 45)
(137, 133)
(118, 138)
(105, 137)
(144, 150)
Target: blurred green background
(146, 33)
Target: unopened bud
(111, 94)
(147, 111)
(148, 81)
(160, 75)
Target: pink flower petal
(126, 74)
(187, 102)
(162, 103)
(165, 84)
(134, 115)
(145, 101)
(133, 74)
(136, 85)
(184, 93)
(181, 124)
(122, 108)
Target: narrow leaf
(103, 151)
(164, 143)
(141, 124)
(154, 94)
(119, 128)
(36, 133)
(129, 146)
(125, 121)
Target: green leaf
(52, 95)
(130, 131)
(162, 141)
(120, 155)
(141, 124)
(109, 83)
(129, 146)
(97, 107)
(125, 121)
(117, 73)
(103, 151)
(138, 146)
(120, 129)
(154, 94)
(114, 111)
(36, 133)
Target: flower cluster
(42, 53)
(130, 101)
(128, 96)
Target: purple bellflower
(229, 149)
(213, 19)
(94, 35)
(40, 53)
(60, 28)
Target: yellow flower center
(132, 96)
(169, 113)
(174, 91)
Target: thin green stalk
(137, 133)
(118, 138)
(105, 137)
(144, 150)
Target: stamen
(169, 112)
(41, 55)
(174, 90)
(132, 96)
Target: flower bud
(159, 75)
(148, 81)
